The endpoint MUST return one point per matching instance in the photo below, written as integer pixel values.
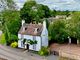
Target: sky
(55, 4)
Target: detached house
(33, 32)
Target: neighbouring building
(33, 32)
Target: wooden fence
(69, 55)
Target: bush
(44, 51)
(14, 44)
(12, 38)
(32, 42)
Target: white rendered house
(32, 32)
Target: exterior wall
(20, 45)
(31, 38)
(19, 36)
(35, 47)
(44, 37)
(38, 45)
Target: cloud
(56, 4)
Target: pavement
(19, 54)
(52, 57)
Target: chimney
(44, 24)
(23, 21)
(23, 29)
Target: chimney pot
(23, 21)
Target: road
(19, 54)
(14, 54)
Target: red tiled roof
(29, 29)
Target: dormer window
(36, 30)
(25, 28)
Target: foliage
(2, 39)
(31, 42)
(24, 41)
(44, 51)
(11, 20)
(57, 31)
(14, 44)
(12, 38)
(47, 23)
(32, 11)
(10, 25)
(54, 13)
(73, 25)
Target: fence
(69, 55)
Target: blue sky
(56, 4)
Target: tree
(11, 24)
(32, 11)
(57, 31)
(53, 13)
(12, 20)
(73, 25)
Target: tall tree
(11, 25)
(32, 11)
(57, 31)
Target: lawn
(2, 39)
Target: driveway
(19, 54)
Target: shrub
(32, 42)
(44, 51)
(12, 38)
(14, 44)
